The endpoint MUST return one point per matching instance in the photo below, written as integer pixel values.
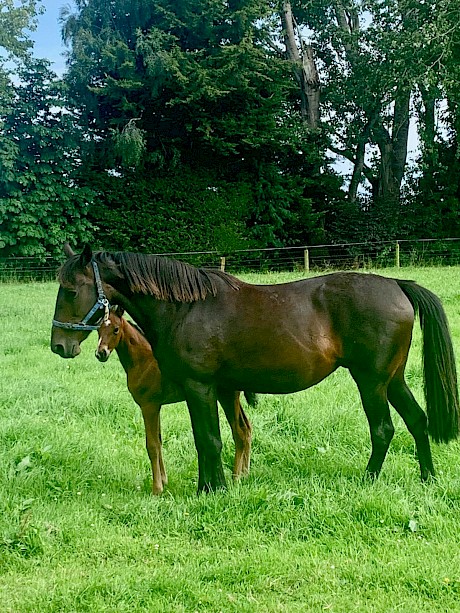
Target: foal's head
(110, 334)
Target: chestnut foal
(150, 391)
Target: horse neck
(118, 293)
(132, 345)
(146, 310)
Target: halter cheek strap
(101, 303)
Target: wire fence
(28, 268)
(346, 256)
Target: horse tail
(439, 370)
(251, 399)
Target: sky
(47, 36)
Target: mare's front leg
(202, 405)
(241, 430)
(151, 415)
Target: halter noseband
(101, 303)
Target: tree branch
(350, 156)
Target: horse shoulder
(146, 384)
(144, 377)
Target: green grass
(79, 530)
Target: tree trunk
(304, 66)
(393, 155)
(400, 134)
(359, 166)
(357, 170)
(428, 136)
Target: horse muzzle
(103, 354)
(69, 351)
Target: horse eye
(116, 330)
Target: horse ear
(68, 251)
(86, 255)
(117, 309)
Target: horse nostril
(58, 348)
(102, 354)
(66, 352)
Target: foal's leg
(415, 419)
(241, 430)
(151, 415)
(374, 398)
(202, 405)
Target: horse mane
(134, 325)
(159, 276)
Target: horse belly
(283, 369)
(257, 339)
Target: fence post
(397, 255)
(222, 264)
(306, 260)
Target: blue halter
(101, 303)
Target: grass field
(80, 531)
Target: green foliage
(40, 202)
(433, 199)
(186, 111)
(15, 19)
(194, 90)
(180, 212)
(41, 205)
(194, 77)
(372, 56)
(436, 188)
(130, 144)
(191, 210)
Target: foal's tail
(439, 370)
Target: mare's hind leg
(151, 415)
(373, 393)
(415, 419)
(241, 430)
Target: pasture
(80, 530)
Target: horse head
(81, 304)
(110, 333)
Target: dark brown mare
(150, 391)
(213, 334)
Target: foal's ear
(119, 310)
(86, 255)
(68, 251)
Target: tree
(437, 185)
(41, 205)
(168, 88)
(14, 44)
(16, 18)
(370, 57)
(301, 54)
